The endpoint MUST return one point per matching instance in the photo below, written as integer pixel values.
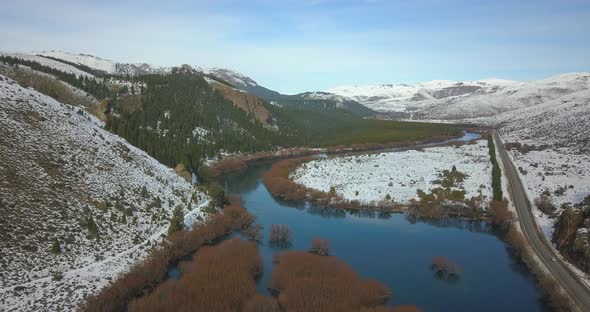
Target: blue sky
(302, 45)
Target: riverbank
(146, 275)
(215, 169)
(421, 180)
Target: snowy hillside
(444, 99)
(104, 65)
(564, 122)
(236, 79)
(78, 204)
(319, 95)
(49, 63)
(550, 145)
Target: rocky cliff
(247, 102)
(571, 237)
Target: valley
(108, 181)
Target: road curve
(569, 281)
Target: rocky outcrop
(250, 103)
(183, 172)
(571, 237)
(101, 109)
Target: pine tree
(92, 227)
(55, 248)
(177, 221)
(144, 192)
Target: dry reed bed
(149, 273)
(305, 281)
(219, 278)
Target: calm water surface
(398, 251)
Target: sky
(305, 45)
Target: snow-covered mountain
(314, 100)
(233, 77)
(66, 68)
(438, 99)
(563, 122)
(442, 99)
(104, 65)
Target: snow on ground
(444, 99)
(558, 134)
(91, 61)
(49, 63)
(551, 170)
(59, 170)
(108, 66)
(236, 79)
(563, 122)
(398, 174)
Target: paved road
(577, 291)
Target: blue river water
(398, 251)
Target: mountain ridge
(445, 99)
(436, 99)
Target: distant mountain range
(325, 100)
(434, 100)
(322, 100)
(444, 99)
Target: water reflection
(397, 249)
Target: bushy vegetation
(496, 172)
(452, 178)
(280, 235)
(220, 278)
(553, 293)
(304, 281)
(150, 272)
(320, 246)
(545, 204)
(445, 268)
(177, 221)
(500, 215)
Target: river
(398, 251)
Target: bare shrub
(554, 294)
(545, 204)
(226, 166)
(280, 235)
(445, 268)
(254, 232)
(499, 213)
(515, 240)
(320, 246)
(259, 303)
